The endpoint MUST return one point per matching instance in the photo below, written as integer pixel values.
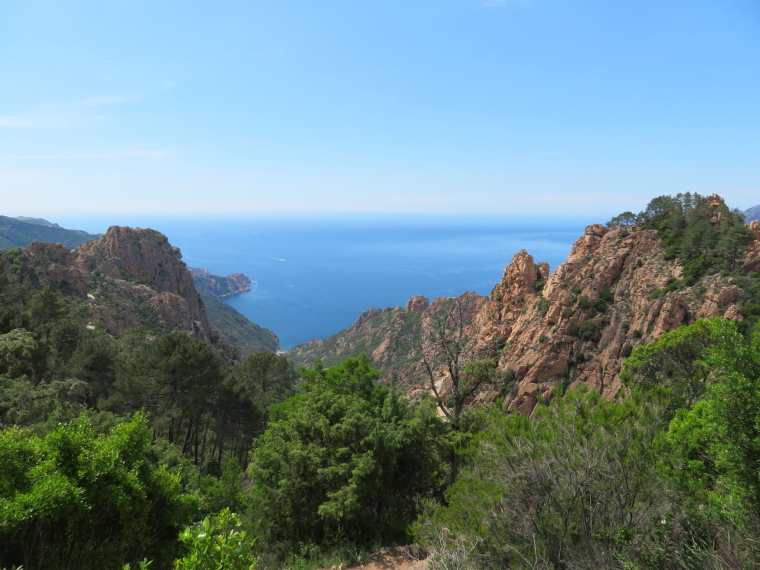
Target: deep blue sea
(314, 276)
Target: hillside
(233, 327)
(20, 232)
(617, 290)
(387, 336)
(217, 285)
(132, 278)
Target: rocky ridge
(387, 336)
(580, 324)
(128, 277)
(575, 325)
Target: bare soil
(398, 558)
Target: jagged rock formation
(130, 277)
(135, 278)
(575, 325)
(217, 285)
(386, 336)
(592, 311)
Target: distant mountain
(20, 232)
(752, 214)
(36, 221)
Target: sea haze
(314, 276)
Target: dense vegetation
(664, 477)
(109, 447)
(245, 336)
(703, 234)
(155, 452)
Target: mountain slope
(620, 287)
(388, 337)
(20, 232)
(752, 214)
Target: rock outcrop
(575, 325)
(580, 324)
(129, 277)
(218, 285)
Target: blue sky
(550, 107)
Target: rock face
(575, 325)
(130, 277)
(591, 312)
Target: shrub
(217, 542)
(543, 306)
(587, 329)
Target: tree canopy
(343, 460)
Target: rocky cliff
(584, 320)
(128, 277)
(575, 325)
(218, 285)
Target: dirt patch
(398, 558)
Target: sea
(313, 276)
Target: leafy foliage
(575, 486)
(675, 360)
(702, 233)
(342, 460)
(76, 499)
(217, 542)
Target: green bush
(217, 542)
(78, 500)
(587, 330)
(343, 461)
